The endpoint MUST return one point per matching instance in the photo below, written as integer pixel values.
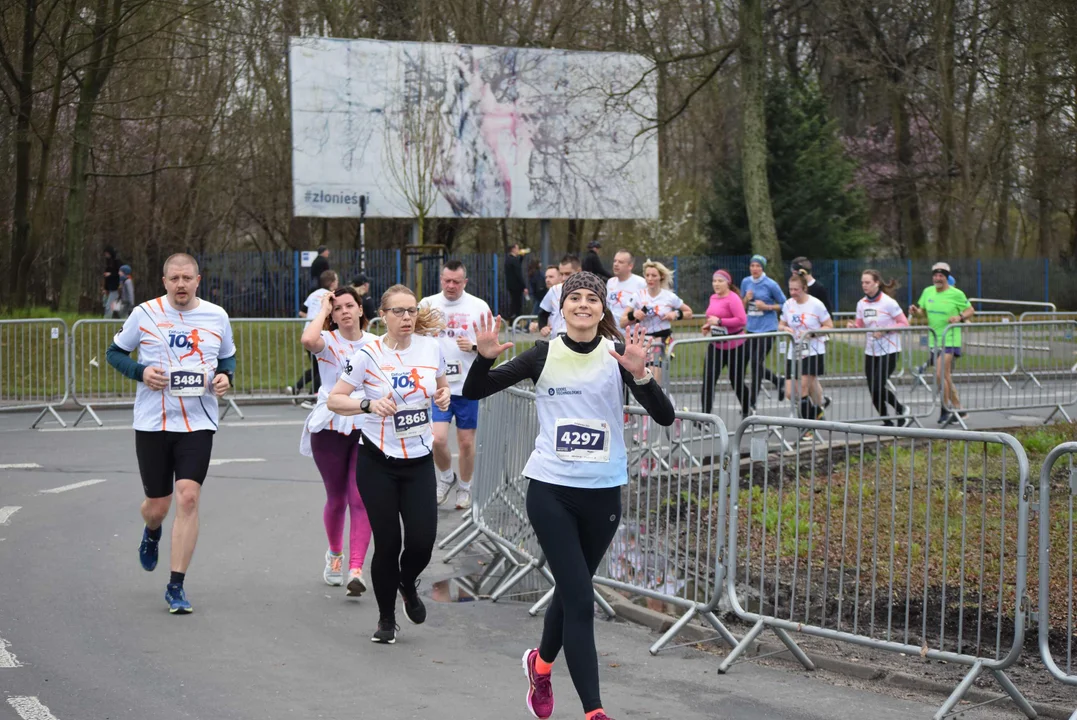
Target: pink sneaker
(539, 691)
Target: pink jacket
(731, 311)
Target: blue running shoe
(147, 550)
(177, 600)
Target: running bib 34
(186, 383)
(411, 420)
(582, 440)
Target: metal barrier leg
(461, 528)
(799, 654)
(48, 409)
(1023, 705)
(959, 692)
(86, 409)
(514, 579)
(542, 603)
(1058, 409)
(472, 536)
(601, 601)
(722, 630)
(231, 406)
(672, 632)
(743, 645)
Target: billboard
(470, 131)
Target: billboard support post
(544, 233)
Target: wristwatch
(365, 406)
(645, 379)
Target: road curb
(660, 622)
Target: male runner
(623, 285)
(551, 322)
(461, 312)
(175, 408)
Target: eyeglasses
(399, 311)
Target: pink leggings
(335, 455)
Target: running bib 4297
(582, 440)
(186, 383)
(411, 420)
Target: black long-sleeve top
(484, 379)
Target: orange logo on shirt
(194, 340)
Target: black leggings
(877, 369)
(395, 490)
(574, 527)
(716, 362)
(757, 349)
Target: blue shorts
(466, 412)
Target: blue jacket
(765, 289)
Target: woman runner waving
(578, 466)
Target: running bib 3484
(582, 440)
(411, 420)
(186, 383)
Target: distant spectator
(111, 279)
(592, 263)
(320, 265)
(327, 283)
(361, 283)
(515, 281)
(126, 303)
(536, 283)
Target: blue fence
(273, 284)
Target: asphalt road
(86, 633)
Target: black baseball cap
(359, 279)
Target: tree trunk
(754, 139)
(1005, 103)
(106, 32)
(911, 236)
(21, 258)
(1041, 165)
(944, 38)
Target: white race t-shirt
(461, 317)
(410, 376)
(313, 303)
(881, 314)
(803, 318)
(551, 303)
(331, 361)
(660, 305)
(617, 294)
(174, 341)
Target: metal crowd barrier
(685, 364)
(34, 366)
(847, 396)
(1015, 305)
(1057, 565)
(1043, 352)
(668, 544)
(901, 539)
(499, 520)
(520, 334)
(94, 384)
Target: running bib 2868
(583, 440)
(186, 383)
(411, 420)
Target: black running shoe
(414, 608)
(386, 632)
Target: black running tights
(715, 362)
(395, 490)
(877, 369)
(574, 527)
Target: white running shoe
(463, 498)
(356, 584)
(444, 488)
(333, 573)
